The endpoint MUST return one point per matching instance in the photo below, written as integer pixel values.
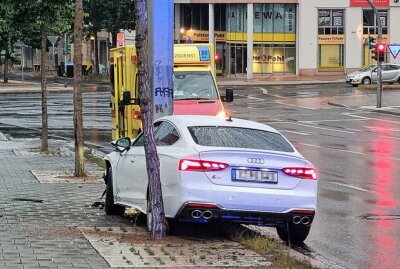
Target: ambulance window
(137, 86)
(195, 85)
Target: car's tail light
(199, 165)
(306, 173)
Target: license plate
(249, 175)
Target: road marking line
(349, 151)
(324, 128)
(351, 187)
(296, 106)
(264, 91)
(293, 132)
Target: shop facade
(305, 37)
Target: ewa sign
(364, 3)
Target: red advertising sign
(364, 3)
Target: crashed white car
(217, 170)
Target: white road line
(316, 121)
(351, 187)
(264, 91)
(297, 106)
(380, 128)
(324, 128)
(349, 151)
(293, 132)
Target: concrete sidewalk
(48, 219)
(280, 79)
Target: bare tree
(45, 126)
(146, 106)
(78, 119)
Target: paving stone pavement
(38, 222)
(45, 224)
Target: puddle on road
(28, 200)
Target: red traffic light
(381, 47)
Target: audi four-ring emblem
(255, 160)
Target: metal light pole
(379, 69)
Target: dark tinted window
(214, 136)
(166, 134)
(395, 67)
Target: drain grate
(380, 217)
(28, 200)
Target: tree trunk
(7, 56)
(45, 127)
(146, 106)
(96, 55)
(78, 119)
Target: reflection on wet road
(356, 152)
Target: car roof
(202, 120)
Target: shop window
(370, 26)
(330, 22)
(220, 17)
(330, 39)
(194, 16)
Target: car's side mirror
(122, 144)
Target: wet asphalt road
(356, 152)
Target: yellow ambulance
(195, 89)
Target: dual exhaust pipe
(303, 220)
(197, 214)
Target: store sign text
(269, 59)
(331, 39)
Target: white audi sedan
(217, 170)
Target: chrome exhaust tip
(196, 214)
(296, 219)
(305, 220)
(207, 214)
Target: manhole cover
(381, 217)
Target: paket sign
(364, 3)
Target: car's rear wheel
(293, 233)
(366, 81)
(109, 207)
(398, 81)
(354, 85)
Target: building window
(331, 39)
(194, 16)
(370, 29)
(370, 25)
(330, 22)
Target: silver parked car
(390, 74)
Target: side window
(166, 134)
(385, 68)
(139, 142)
(395, 67)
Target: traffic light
(378, 53)
(371, 42)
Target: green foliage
(21, 20)
(110, 15)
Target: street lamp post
(379, 64)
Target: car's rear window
(234, 137)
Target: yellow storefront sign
(197, 35)
(232, 37)
(330, 39)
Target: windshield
(234, 137)
(369, 68)
(194, 86)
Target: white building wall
(308, 32)
(353, 38)
(394, 30)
